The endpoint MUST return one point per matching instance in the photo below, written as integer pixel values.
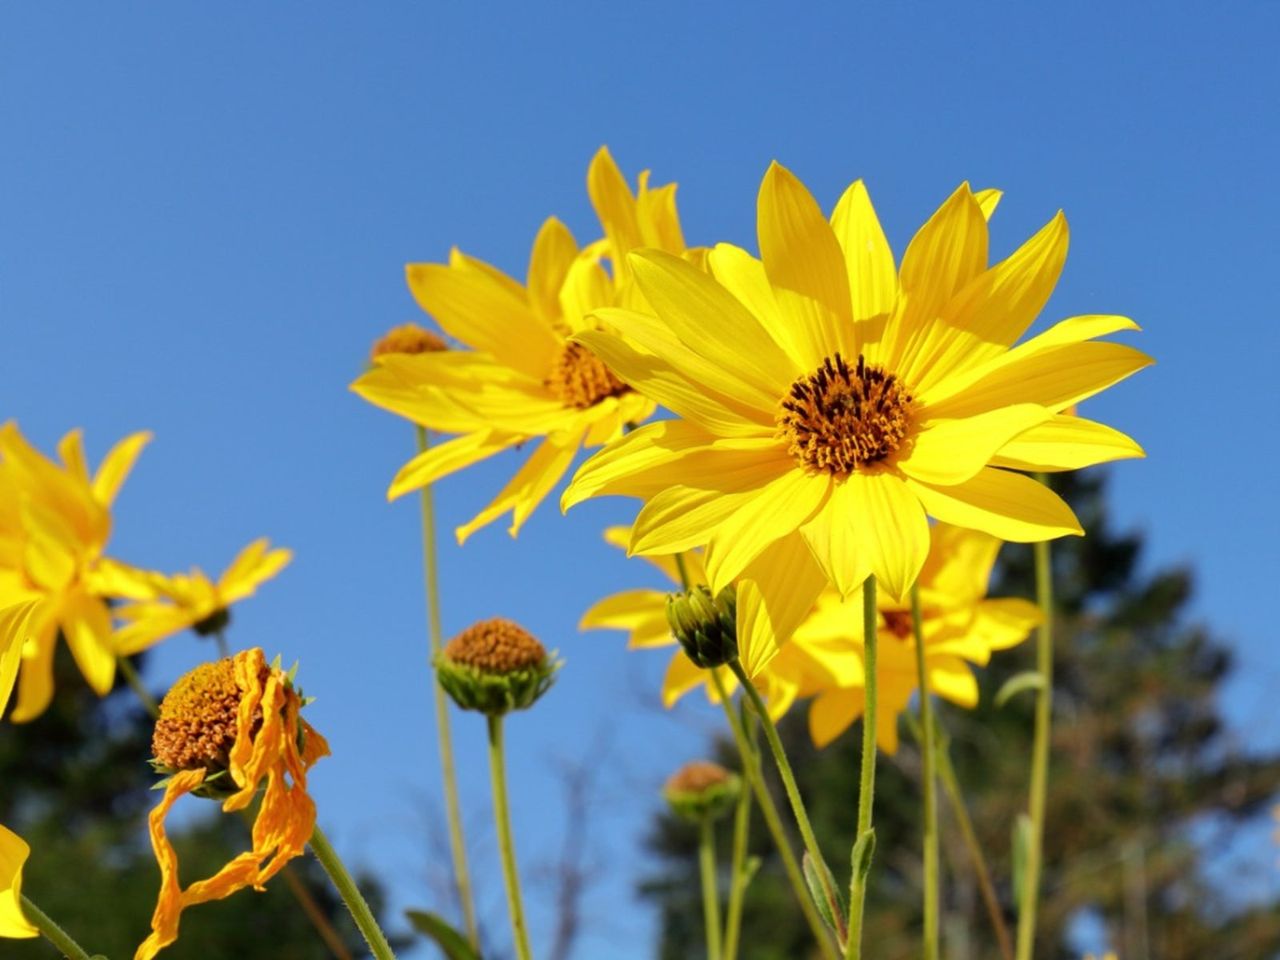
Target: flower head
(224, 728)
(163, 605)
(408, 338)
(13, 854)
(495, 666)
(700, 790)
(55, 520)
(827, 397)
(521, 378)
(960, 625)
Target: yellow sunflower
(224, 728)
(13, 854)
(801, 669)
(166, 604)
(828, 398)
(55, 521)
(960, 627)
(522, 378)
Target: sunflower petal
(1066, 443)
(952, 451)
(446, 458)
(1007, 505)
(775, 593)
(873, 280)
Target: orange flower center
(197, 724)
(841, 418)
(496, 646)
(697, 776)
(580, 379)
(408, 338)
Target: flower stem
(788, 777)
(312, 909)
(769, 810)
(737, 872)
(502, 816)
(1030, 893)
(929, 792)
(131, 677)
(52, 932)
(710, 897)
(351, 895)
(453, 808)
(867, 782)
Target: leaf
(863, 851)
(454, 944)
(828, 904)
(1021, 848)
(1027, 680)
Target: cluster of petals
(727, 347)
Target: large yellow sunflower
(54, 524)
(828, 398)
(522, 378)
(960, 625)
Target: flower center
(898, 623)
(496, 646)
(408, 338)
(841, 418)
(580, 379)
(197, 724)
(697, 776)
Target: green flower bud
(702, 790)
(495, 666)
(706, 628)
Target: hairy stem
(710, 897)
(502, 817)
(351, 895)
(867, 781)
(52, 932)
(929, 796)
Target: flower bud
(706, 627)
(495, 666)
(408, 338)
(702, 790)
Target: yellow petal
(775, 593)
(834, 541)
(832, 713)
(554, 249)
(873, 279)
(586, 287)
(1005, 622)
(951, 451)
(682, 676)
(1007, 505)
(447, 458)
(891, 524)
(86, 623)
(35, 679)
(743, 276)
(959, 563)
(530, 485)
(656, 212)
(15, 622)
(641, 613)
(636, 463)
(1066, 443)
(951, 678)
(254, 564)
(988, 200)
(116, 465)
(615, 205)
(71, 450)
(13, 854)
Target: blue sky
(205, 213)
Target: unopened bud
(706, 627)
(702, 790)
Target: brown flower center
(496, 646)
(197, 724)
(408, 338)
(840, 418)
(580, 379)
(898, 623)
(697, 776)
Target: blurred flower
(222, 729)
(827, 397)
(408, 338)
(700, 790)
(959, 624)
(166, 604)
(54, 525)
(13, 854)
(495, 666)
(522, 379)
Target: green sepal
(495, 694)
(711, 802)
(863, 852)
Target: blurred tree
(1143, 771)
(75, 785)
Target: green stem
(351, 895)
(737, 871)
(929, 793)
(453, 807)
(135, 683)
(1030, 893)
(502, 816)
(773, 820)
(52, 932)
(710, 897)
(788, 778)
(867, 783)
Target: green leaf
(1027, 680)
(863, 851)
(829, 905)
(454, 944)
(1021, 848)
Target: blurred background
(204, 219)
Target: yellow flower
(166, 604)
(54, 524)
(801, 669)
(222, 729)
(522, 378)
(825, 396)
(13, 854)
(960, 627)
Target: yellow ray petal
(253, 565)
(951, 451)
(951, 678)
(637, 461)
(832, 713)
(554, 249)
(586, 287)
(835, 542)
(13, 854)
(35, 678)
(641, 613)
(116, 465)
(530, 485)
(1066, 443)
(1005, 621)
(682, 676)
(890, 522)
(71, 450)
(743, 276)
(441, 460)
(873, 279)
(1007, 505)
(615, 206)
(657, 215)
(86, 623)
(15, 622)
(775, 593)
(959, 563)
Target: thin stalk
(947, 775)
(867, 781)
(52, 932)
(444, 739)
(928, 793)
(773, 820)
(1029, 896)
(131, 677)
(312, 909)
(502, 816)
(710, 897)
(737, 871)
(351, 895)
(220, 637)
(788, 777)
